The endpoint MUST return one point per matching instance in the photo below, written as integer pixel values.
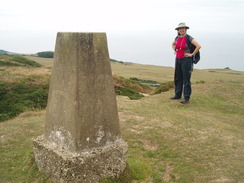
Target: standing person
(183, 63)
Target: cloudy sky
(138, 31)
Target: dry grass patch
(15, 74)
(47, 62)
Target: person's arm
(198, 46)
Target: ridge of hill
(3, 52)
(9, 53)
(13, 60)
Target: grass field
(200, 142)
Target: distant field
(200, 142)
(160, 73)
(47, 62)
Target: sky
(139, 31)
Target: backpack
(196, 57)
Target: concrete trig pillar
(82, 141)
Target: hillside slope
(202, 141)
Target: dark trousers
(183, 70)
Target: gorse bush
(164, 87)
(133, 95)
(15, 98)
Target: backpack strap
(188, 42)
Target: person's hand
(188, 54)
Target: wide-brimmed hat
(182, 24)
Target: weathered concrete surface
(87, 167)
(82, 116)
(82, 110)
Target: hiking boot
(184, 101)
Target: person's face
(182, 31)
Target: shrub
(46, 54)
(15, 98)
(132, 84)
(164, 87)
(119, 90)
(113, 60)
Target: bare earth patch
(168, 175)
(149, 145)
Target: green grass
(202, 137)
(200, 142)
(16, 152)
